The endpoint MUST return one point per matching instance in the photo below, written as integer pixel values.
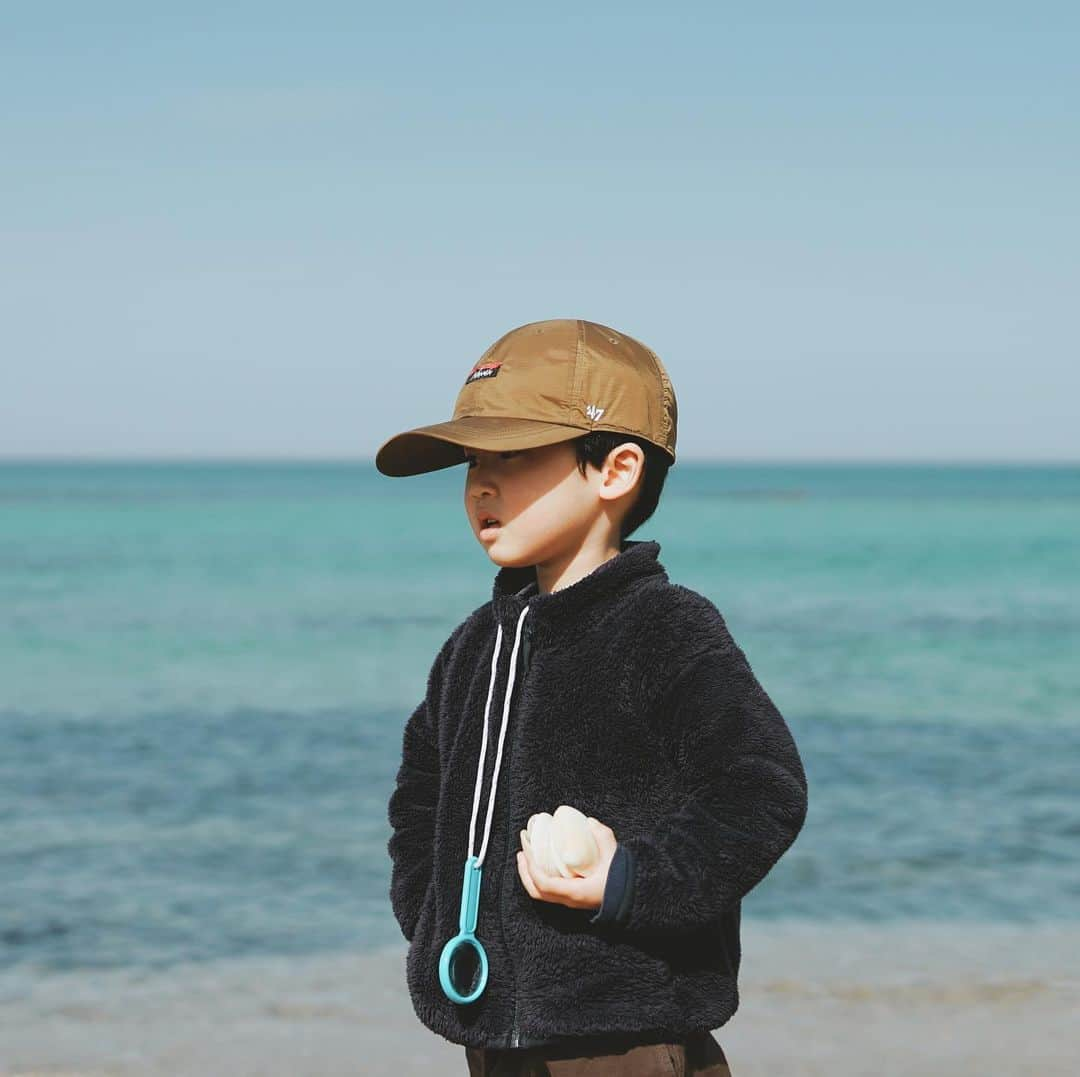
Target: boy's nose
(478, 479)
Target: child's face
(543, 503)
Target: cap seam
(573, 404)
(663, 391)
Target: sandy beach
(815, 999)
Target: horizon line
(820, 461)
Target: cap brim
(440, 445)
(431, 448)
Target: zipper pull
(526, 645)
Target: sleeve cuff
(618, 890)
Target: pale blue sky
(850, 231)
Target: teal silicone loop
(470, 909)
(470, 890)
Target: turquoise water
(206, 669)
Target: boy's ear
(620, 466)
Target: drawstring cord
(489, 813)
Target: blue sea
(205, 669)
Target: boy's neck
(573, 608)
(567, 569)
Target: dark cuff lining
(619, 889)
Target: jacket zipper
(514, 1039)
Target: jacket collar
(580, 604)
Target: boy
(591, 680)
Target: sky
(850, 231)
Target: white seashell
(540, 833)
(561, 844)
(574, 840)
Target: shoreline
(815, 998)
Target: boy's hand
(581, 892)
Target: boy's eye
(470, 459)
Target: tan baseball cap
(542, 383)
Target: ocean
(205, 669)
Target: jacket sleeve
(742, 802)
(618, 890)
(412, 805)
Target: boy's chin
(508, 558)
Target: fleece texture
(632, 703)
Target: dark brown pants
(699, 1055)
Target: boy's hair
(593, 448)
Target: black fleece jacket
(631, 702)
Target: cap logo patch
(483, 370)
(594, 412)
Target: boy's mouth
(488, 525)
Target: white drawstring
(502, 734)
